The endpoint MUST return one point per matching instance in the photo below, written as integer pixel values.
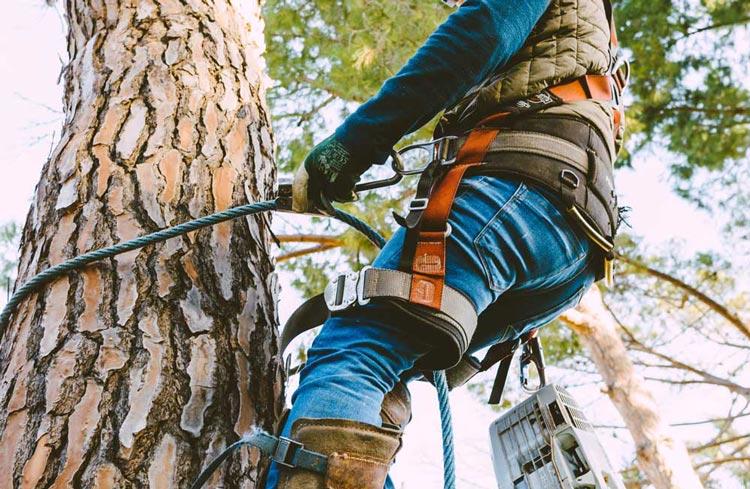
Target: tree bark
(662, 458)
(136, 371)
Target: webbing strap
(377, 283)
(348, 290)
(427, 239)
(281, 450)
(541, 144)
(428, 265)
(289, 453)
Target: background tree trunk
(134, 372)
(661, 457)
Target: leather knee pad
(396, 408)
(359, 455)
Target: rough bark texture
(136, 371)
(660, 456)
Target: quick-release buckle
(346, 290)
(285, 451)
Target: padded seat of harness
(449, 344)
(504, 320)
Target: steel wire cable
(78, 262)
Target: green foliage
(9, 236)
(327, 55)
(689, 79)
(310, 278)
(689, 95)
(560, 343)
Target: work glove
(327, 174)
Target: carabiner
(532, 353)
(397, 166)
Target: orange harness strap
(428, 263)
(428, 267)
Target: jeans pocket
(487, 245)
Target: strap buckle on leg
(286, 452)
(346, 290)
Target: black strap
(503, 354)
(430, 176)
(283, 451)
(311, 314)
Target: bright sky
(32, 40)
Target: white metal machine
(546, 443)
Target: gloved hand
(327, 171)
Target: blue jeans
(511, 249)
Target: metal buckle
(346, 290)
(570, 178)
(440, 150)
(361, 287)
(443, 150)
(418, 204)
(285, 451)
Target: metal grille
(546, 442)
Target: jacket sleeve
(468, 47)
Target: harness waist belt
(540, 144)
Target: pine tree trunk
(662, 458)
(137, 370)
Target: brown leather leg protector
(359, 455)
(396, 407)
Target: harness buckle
(346, 290)
(286, 451)
(438, 152)
(443, 151)
(570, 178)
(418, 204)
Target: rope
(360, 226)
(78, 262)
(81, 261)
(446, 422)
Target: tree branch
(718, 443)
(718, 25)
(722, 461)
(305, 116)
(721, 310)
(309, 238)
(707, 378)
(305, 251)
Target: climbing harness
(509, 143)
(419, 287)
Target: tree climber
(533, 91)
